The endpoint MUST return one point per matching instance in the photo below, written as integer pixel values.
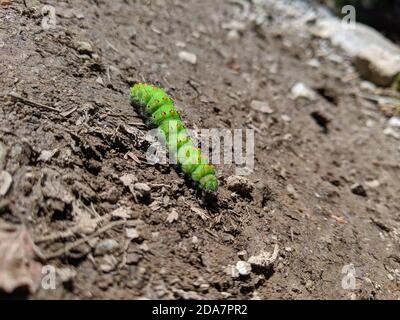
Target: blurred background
(384, 15)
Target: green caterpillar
(158, 107)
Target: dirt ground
(70, 135)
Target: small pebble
(5, 182)
(188, 57)
(261, 106)
(106, 246)
(132, 258)
(358, 189)
(243, 267)
(131, 233)
(142, 188)
(389, 131)
(84, 47)
(240, 185)
(242, 255)
(394, 122)
(300, 90)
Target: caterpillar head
(141, 93)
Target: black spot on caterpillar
(155, 104)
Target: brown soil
(302, 199)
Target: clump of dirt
(115, 226)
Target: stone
(133, 258)
(351, 40)
(261, 106)
(144, 247)
(242, 254)
(301, 90)
(243, 267)
(122, 213)
(264, 260)
(108, 263)
(390, 132)
(5, 182)
(358, 189)
(84, 47)
(240, 185)
(142, 188)
(100, 81)
(234, 25)
(378, 65)
(128, 179)
(46, 155)
(66, 274)
(132, 233)
(314, 63)
(394, 122)
(373, 184)
(106, 246)
(180, 44)
(375, 57)
(232, 36)
(291, 191)
(188, 57)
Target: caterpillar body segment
(158, 108)
(201, 171)
(165, 112)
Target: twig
(123, 261)
(77, 243)
(56, 236)
(211, 233)
(160, 185)
(30, 102)
(66, 234)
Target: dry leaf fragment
(122, 213)
(338, 219)
(5, 2)
(133, 157)
(84, 221)
(200, 212)
(18, 269)
(173, 216)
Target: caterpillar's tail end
(209, 183)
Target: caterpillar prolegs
(158, 107)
